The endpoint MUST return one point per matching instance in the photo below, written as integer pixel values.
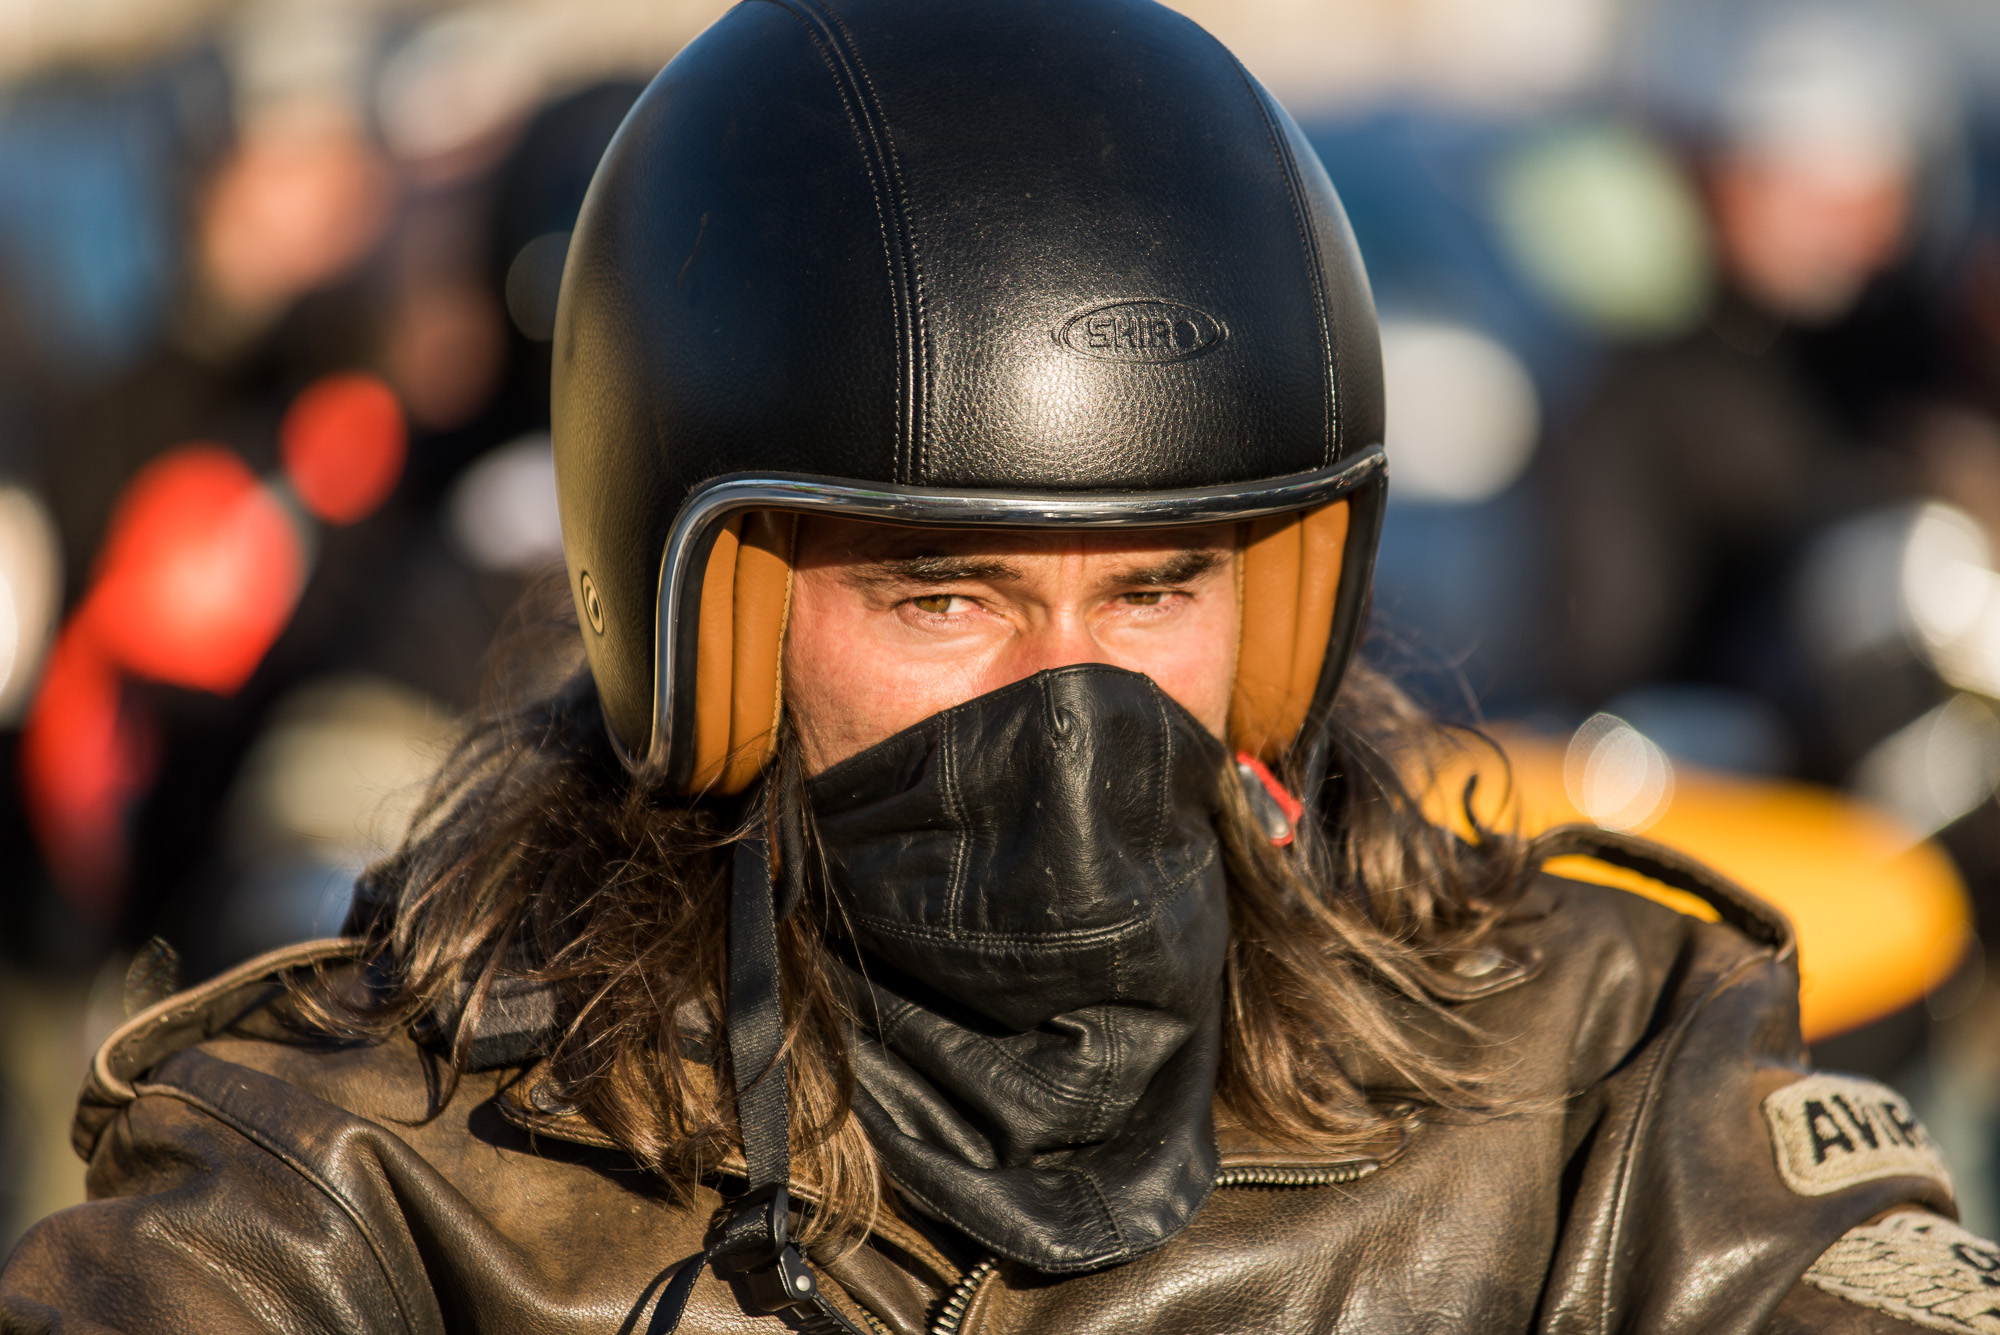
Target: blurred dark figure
(390, 635)
(1687, 488)
(215, 802)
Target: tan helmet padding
(1291, 579)
(745, 598)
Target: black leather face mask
(1034, 888)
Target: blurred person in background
(314, 258)
(876, 924)
(294, 484)
(1687, 488)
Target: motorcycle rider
(969, 886)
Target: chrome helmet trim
(684, 563)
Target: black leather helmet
(952, 262)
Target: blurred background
(1692, 328)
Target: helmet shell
(1053, 246)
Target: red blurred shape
(200, 572)
(84, 758)
(344, 441)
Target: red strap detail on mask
(1291, 806)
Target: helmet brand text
(1140, 331)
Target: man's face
(1804, 234)
(890, 625)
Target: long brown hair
(536, 858)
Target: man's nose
(1061, 639)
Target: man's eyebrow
(943, 568)
(930, 569)
(1180, 568)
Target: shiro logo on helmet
(1140, 331)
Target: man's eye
(1150, 599)
(935, 604)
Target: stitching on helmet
(919, 461)
(1295, 191)
(878, 159)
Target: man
(967, 422)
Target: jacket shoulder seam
(297, 1165)
(1642, 1116)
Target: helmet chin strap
(755, 1243)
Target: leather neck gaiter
(1034, 897)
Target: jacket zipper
(952, 1314)
(1330, 1176)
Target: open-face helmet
(967, 263)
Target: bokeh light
(31, 580)
(1937, 767)
(502, 512)
(1604, 222)
(344, 442)
(84, 757)
(1464, 416)
(1616, 775)
(199, 574)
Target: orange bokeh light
(344, 441)
(199, 574)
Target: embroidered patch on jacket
(1832, 1131)
(1919, 1267)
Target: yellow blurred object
(1882, 916)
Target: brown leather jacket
(1651, 1173)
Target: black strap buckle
(756, 1245)
(786, 1281)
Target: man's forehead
(826, 538)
